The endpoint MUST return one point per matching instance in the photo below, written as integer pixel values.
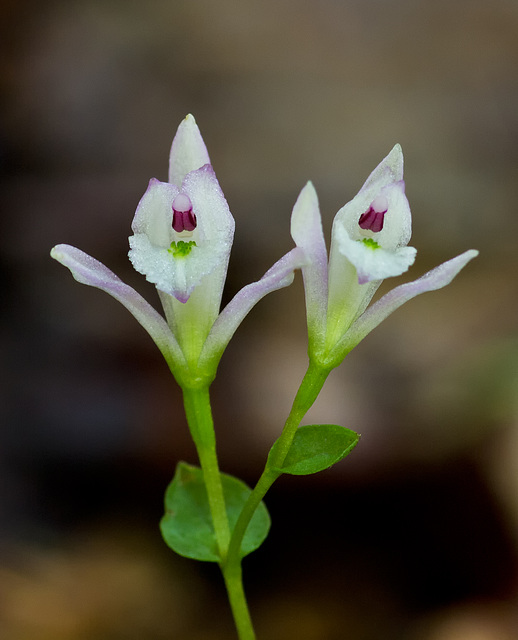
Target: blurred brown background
(414, 537)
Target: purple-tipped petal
(279, 276)
(306, 231)
(188, 151)
(87, 270)
(371, 318)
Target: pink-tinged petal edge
(89, 271)
(374, 315)
(280, 275)
(307, 233)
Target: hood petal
(188, 151)
(387, 181)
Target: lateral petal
(374, 315)
(280, 275)
(89, 271)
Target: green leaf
(317, 447)
(187, 524)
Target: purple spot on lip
(183, 217)
(373, 218)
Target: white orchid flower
(368, 244)
(182, 237)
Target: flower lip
(183, 217)
(373, 218)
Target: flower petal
(371, 261)
(389, 170)
(151, 252)
(306, 231)
(154, 214)
(278, 276)
(188, 151)
(87, 270)
(371, 318)
(386, 180)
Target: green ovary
(181, 249)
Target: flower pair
(182, 236)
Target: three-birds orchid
(368, 244)
(182, 237)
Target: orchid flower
(181, 242)
(368, 244)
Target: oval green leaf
(187, 524)
(317, 447)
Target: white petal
(154, 214)
(87, 270)
(188, 151)
(278, 276)
(389, 170)
(397, 225)
(434, 279)
(387, 181)
(373, 263)
(306, 231)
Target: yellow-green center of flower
(372, 244)
(181, 249)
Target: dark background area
(414, 536)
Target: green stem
(309, 389)
(199, 418)
(236, 594)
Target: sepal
(307, 233)
(375, 314)
(88, 270)
(188, 151)
(280, 275)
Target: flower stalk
(199, 418)
(308, 392)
